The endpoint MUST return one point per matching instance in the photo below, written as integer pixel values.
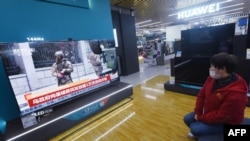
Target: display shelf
(191, 90)
(176, 87)
(69, 114)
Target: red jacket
(223, 105)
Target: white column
(174, 32)
(84, 50)
(24, 59)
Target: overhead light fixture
(143, 22)
(225, 1)
(221, 19)
(232, 5)
(167, 23)
(149, 24)
(207, 19)
(187, 3)
(162, 24)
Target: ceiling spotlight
(143, 22)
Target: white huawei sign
(199, 11)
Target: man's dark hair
(224, 60)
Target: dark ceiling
(159, 10)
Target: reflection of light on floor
(152, 89)
(140, 58)
(99, 123)
(159, 85)
(111, 129)
(150, 97)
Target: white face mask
(214, 75)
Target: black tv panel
(207, 41)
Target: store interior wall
(174, 32)
(35, 18)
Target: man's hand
(196, 117)
(59, 75)
(63, 70)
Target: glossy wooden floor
(152, 114)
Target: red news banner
(64, 91)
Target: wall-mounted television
(30, 67)
(207, 41)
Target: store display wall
(195, 56)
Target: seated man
(222, 99)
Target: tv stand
(69, 114)
(187, 89)
(178, 87)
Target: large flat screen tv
(190, 70)
(207, 41)
(29, 69)
(194, 71)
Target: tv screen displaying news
(46, 74)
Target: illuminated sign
(199, 11)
